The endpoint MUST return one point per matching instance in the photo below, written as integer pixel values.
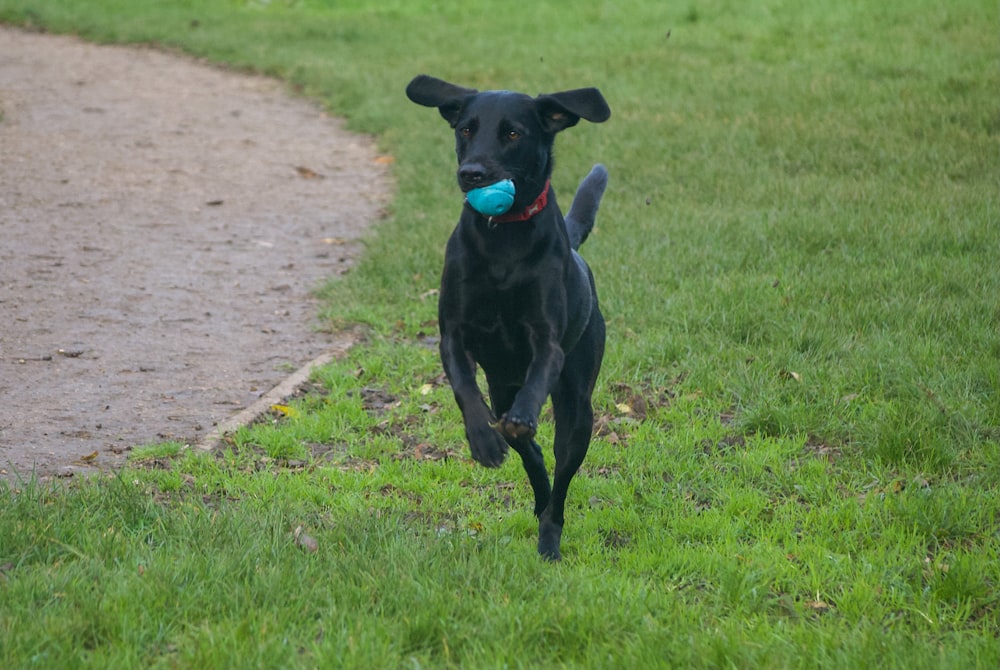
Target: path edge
(284, 390)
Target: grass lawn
(797, 461)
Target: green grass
(797, 260)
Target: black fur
(516, 298)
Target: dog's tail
(583, 211)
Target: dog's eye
(513, 135)
(465, 131)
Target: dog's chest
(501, 276)
(497, 320)
(500, 344)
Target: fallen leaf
(623, 408)
(307, 542)
(638, 405)
(285, 410)
(426, 389)
(788, 374)
(307, 173)
(89, 457)
(385, 160)
(817, 605)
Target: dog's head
(504, 135)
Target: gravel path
(162, 225)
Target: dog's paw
(488, 447)
(549, 537)
(516, 428)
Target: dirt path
(162, 223)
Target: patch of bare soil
(162, 226)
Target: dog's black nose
(472, 175)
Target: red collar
(532, 209)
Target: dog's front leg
(521, 420)
(488, 447)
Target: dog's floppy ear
(431, 92)
(563, 110)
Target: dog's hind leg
(534, 465)
(583, 212)
(574, 415)
(529, 451)
(574, 422)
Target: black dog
(515, 296)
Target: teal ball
(492, 200)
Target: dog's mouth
(474, 174)
(467, 185)
(468, 189)
(494, 199)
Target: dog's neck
(528, 212)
